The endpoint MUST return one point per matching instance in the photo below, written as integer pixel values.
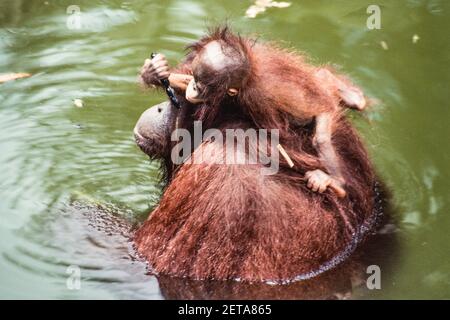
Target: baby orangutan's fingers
(159, 57)
(162, 69)
(163, 75)
(153, 71)
(155, 67)
(160, 63)
(317, 180)
(323, 187)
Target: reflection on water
(52, 152)
(89, 237)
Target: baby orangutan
(225, 68)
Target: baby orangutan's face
(208, 63)
(193, 92)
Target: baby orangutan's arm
(317, 179)
(180, 81)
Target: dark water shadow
(339, 283)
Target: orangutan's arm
(179, 81)
(322, 142)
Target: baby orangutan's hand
(318, 181)
(154, 70)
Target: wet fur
(229, 221)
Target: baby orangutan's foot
(319, 181)
(350, 95)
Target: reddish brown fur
(229, 221)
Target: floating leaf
(261, 6)
(13, 76)
(384, 45)
(78, 103)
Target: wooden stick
(285, 155)
(340, 192)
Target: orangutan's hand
(319, 181)
(154, 70)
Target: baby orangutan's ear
(232, 92)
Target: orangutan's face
(152, 129)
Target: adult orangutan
(227, 221)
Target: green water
(52, 152)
